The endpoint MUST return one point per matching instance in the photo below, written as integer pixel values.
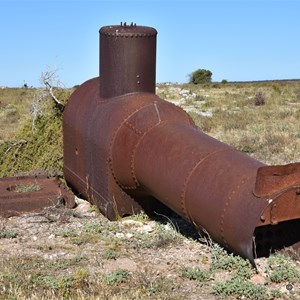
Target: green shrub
(8, 234)
(110, 254)
(229, 262)
(38, 143)
(40, 149)
(283, 269)
(241, 288)
(201, 76)
(260, 98)
(198, 274)
(27, 188)
(115, 277)
(67, 233)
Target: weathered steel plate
(24, 194)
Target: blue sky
(237, 40)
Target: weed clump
(283, 269)
(37, 145)
(198, 274)
(8, 234)
(115, 277)
(260, 98)
(27, 188)
(110, 254)
(229, 262)
(42, 150)
(239, 287)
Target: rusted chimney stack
(127, 59)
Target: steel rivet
(298, 191)
(263, 218)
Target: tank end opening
(271, 238)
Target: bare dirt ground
(88, 240)
(61, 253)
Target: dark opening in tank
(271, 238)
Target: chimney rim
(128, 31)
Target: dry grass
(14, 110)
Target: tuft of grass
(283, 269)
(93, 227)
(8, 234)
(44, 247)
(229, 262)
(110, 254)
(27, 188)
(240, 287)
(67, 233)
(198, 274)
(276, 294)
(116, 277)
(22, 277)
(96, 231)
(140, 217)
(61, 285)
(162, 236)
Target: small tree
(201, 76)
(52, 94)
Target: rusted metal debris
(25, 194)
(125, 148)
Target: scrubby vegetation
(36, 143)
(201, 76)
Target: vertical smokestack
(127, 60)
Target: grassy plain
(77, 254)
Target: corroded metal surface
(128, 55)
(273, 180)
(124, 148)
(24, 194)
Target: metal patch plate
(30, 193)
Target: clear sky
(237, 40)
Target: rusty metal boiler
(125, 149)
